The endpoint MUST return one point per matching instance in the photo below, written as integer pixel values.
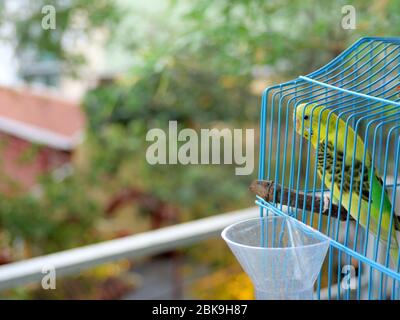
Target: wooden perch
(266, 189)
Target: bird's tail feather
(394, 254)
(394, 249)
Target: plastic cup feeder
(282, 256)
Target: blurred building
(38, 133)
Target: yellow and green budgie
(302, 116)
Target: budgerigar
(310, 132)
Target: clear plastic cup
(282, 256)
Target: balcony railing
(144, 244)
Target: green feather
(342, 181)
(345, 177)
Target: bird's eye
(306, 117)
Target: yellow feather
(311, 119)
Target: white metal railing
(143, 244)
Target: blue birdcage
(329, 156)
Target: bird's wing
(342, 175)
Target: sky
(8, 65)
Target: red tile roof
(42, 119)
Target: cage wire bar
(361, 87)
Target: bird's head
(306, 117)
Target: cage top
(370, 67)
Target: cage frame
(377, 50)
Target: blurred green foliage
(202, 64)
(202, 78)
(76, 20)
